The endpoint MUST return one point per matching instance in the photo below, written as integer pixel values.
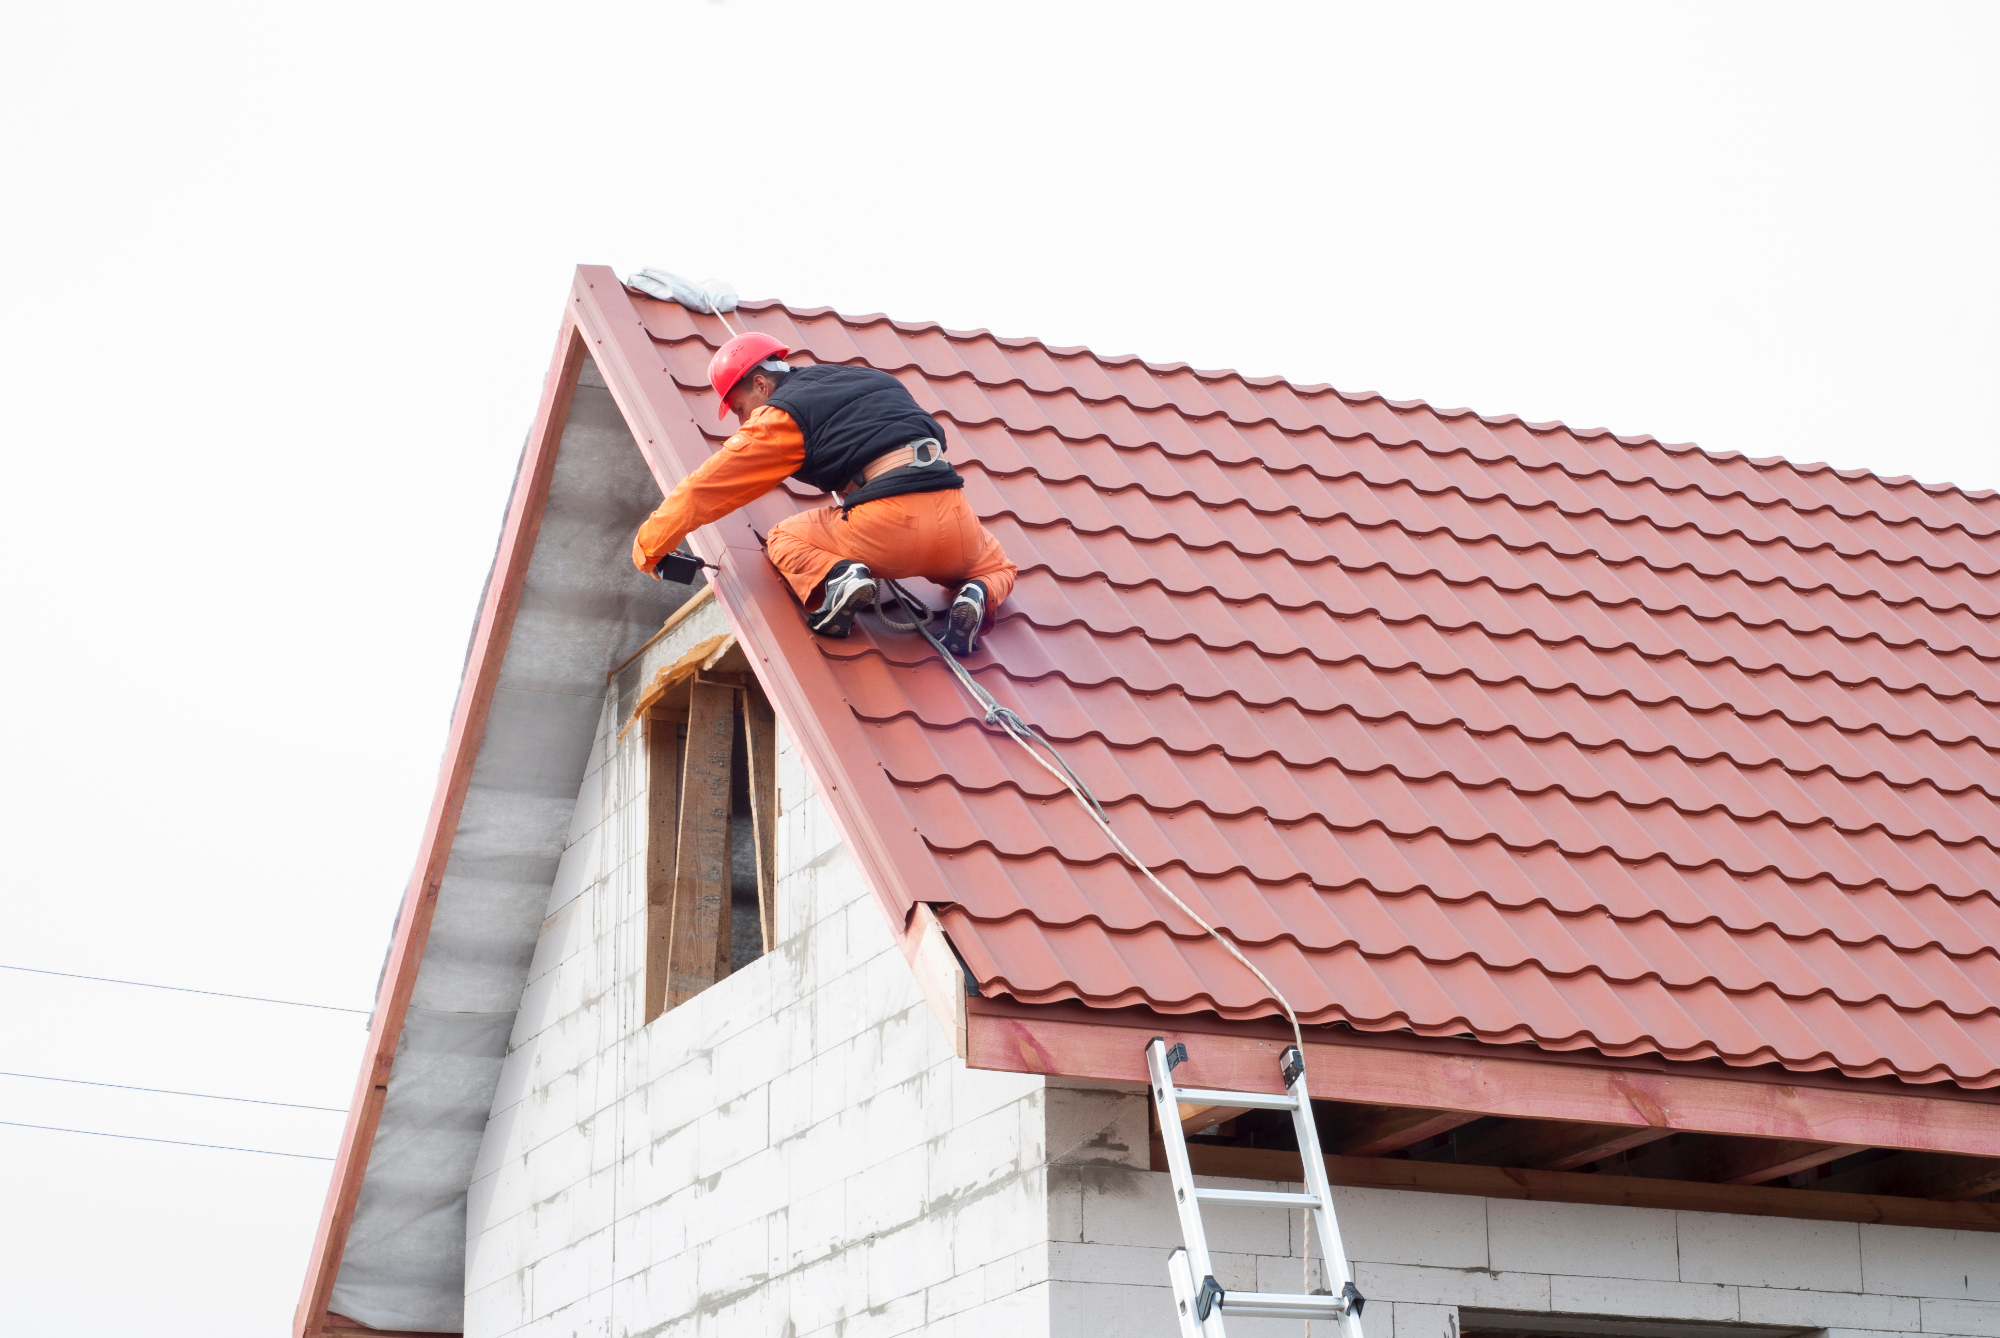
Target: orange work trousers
(933, 535)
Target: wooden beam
(725, 924)
(1496, 1182)
(1548, 1146)
(701, 868)
(663, 814)
(668, 678)
(674, 619)
(1735, 1161)
(760, 735)
(1926, 1175)
(1370, 1131)
(1194, 1119)
(1054, 1040)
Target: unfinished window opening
(711, 800)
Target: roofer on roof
(855, 430)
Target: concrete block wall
(1433, 1264)
(794, 1151)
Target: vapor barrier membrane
(583, 610)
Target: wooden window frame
(690, 731)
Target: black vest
(850, 415)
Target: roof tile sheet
(1460, 725)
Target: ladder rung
(1204, 1096)
(1282, 1305)
(1256, 1198)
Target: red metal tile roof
(1457, 724)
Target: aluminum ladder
(1200, 1300)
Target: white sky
(283, 283)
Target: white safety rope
(733, 331)
(1032, 740)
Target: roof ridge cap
(1766, 463)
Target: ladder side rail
(1177, 1273)
(1185, 1203)
(1335, 1271)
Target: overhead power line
(182, 989)
(168, 1091)
(176, 1142)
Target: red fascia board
(759, 606)
(500, 602)
(1065, 1041)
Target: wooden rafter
(1370, 1131)
(1928, 1175)
(1549, 1146)
(1735, 1161)
(1194, 1119)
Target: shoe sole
(838, 622)
(961, 630)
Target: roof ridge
(1769, 463)
(1863, 507)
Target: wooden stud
(663, 811)
(1496, 1182)
(760, 734)
(701, 868)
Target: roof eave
(1073, 1041)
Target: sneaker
(849, 589)
(967, 616)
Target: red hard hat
(736, 357)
